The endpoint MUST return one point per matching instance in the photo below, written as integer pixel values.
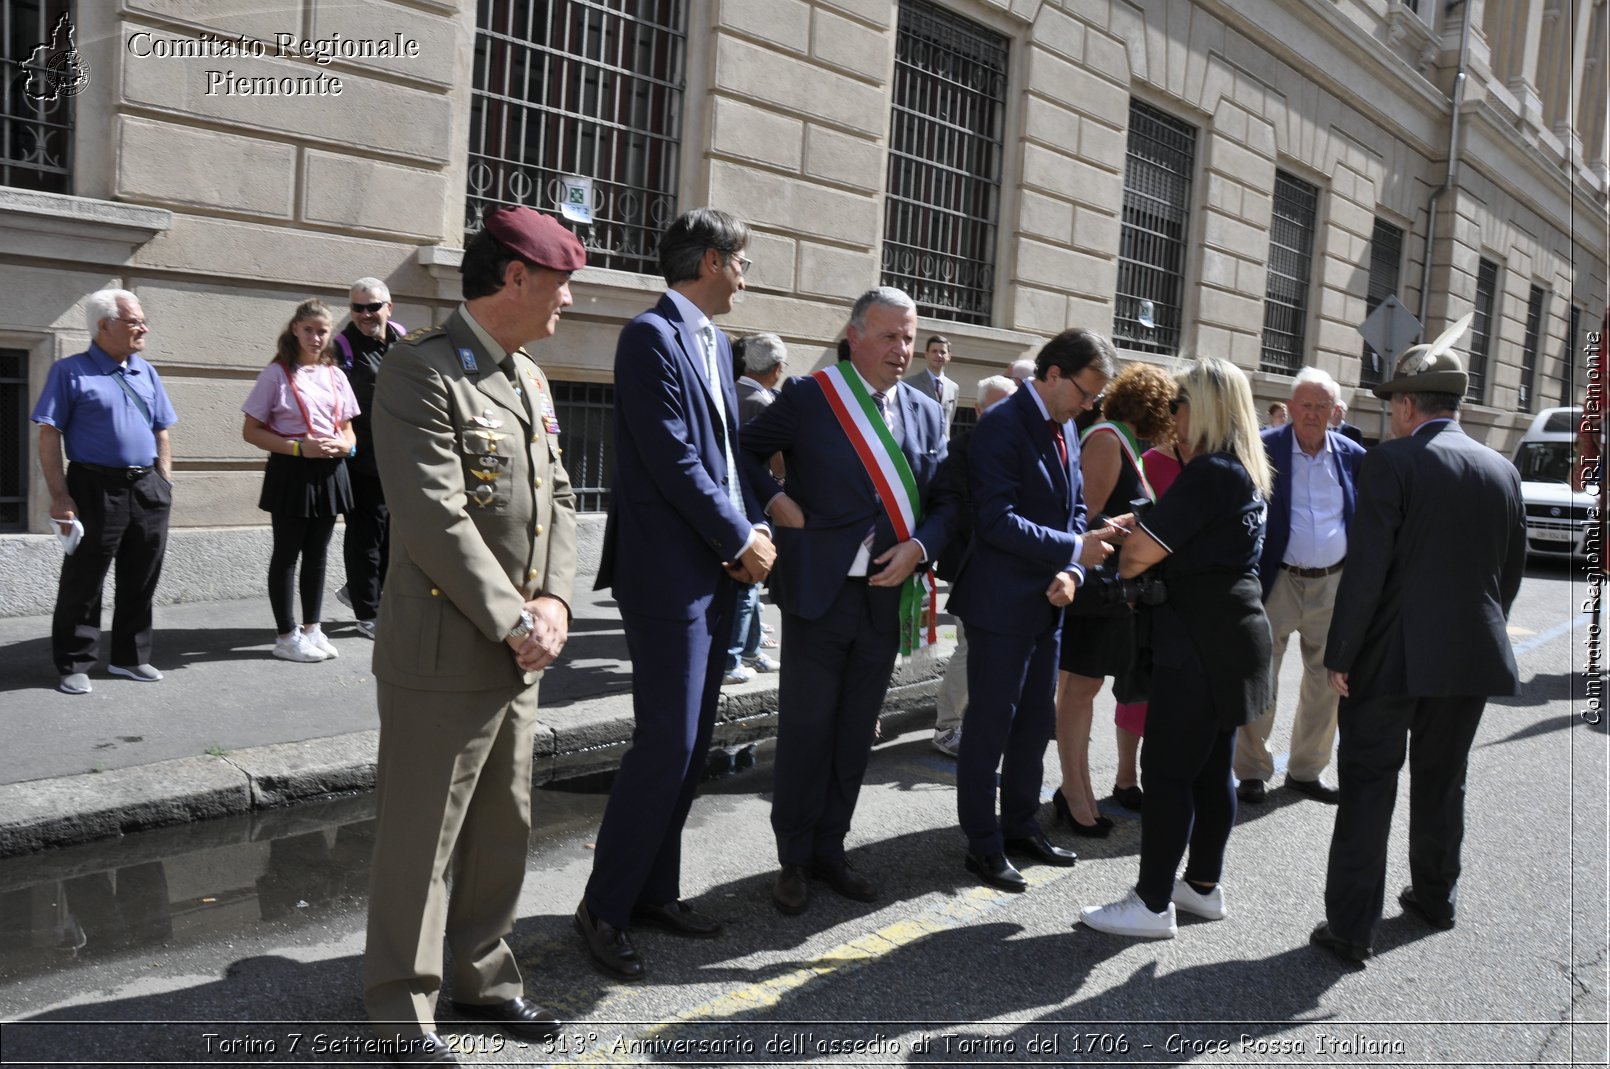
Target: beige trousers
(1303, 606)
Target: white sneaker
(948, 741)
(366, 628)
(295, 647)
(1129, 916)
(762, 663)
(140, 673)
(1208, 906)
(316, 639)
(737, 675)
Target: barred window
(591, 88)
(1534, 332)
(964, 420)
(586, 413)
(944, 184)
(1291, 259)
(1386, 263)
(13, 439)
(1568, 354)
(1481, 329)
(40, 72)
(1158, 165)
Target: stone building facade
(1245, 179)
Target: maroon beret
(535, 237)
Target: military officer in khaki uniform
(483, 560)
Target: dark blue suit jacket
(1347, 454)
(671, 524)
(830, 484)
(1029, 514)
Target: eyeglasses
(1174, 405)
(135, 324)
(1090, 399)
(743, 263)
(371, 308)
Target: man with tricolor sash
(855, 531)
(1025, 565)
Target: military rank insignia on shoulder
(417, 336)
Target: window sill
(54, 226)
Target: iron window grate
(944, 180)
(1291, 258)
(1158, 165)
(1481, 329)
(580, 87)
(586, 413)
(1568, 354)
(1386, 264)
(13, 440)
(1534, 330)
(39, 73)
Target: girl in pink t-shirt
(300, 412)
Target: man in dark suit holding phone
(1417, 644)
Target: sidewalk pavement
(231, 729)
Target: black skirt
(305, 486)
(1097, 646)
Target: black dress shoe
(791, 893)
(996, 871)
(1410, 901)
(842, 877)
(678, 918)
(608, 946)
(1128, 797)
(1352, 953)
(1252, 790)
(1042, 850)
(520, 1017)
(428, 1049)
(1314, 789)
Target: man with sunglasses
(107, 408)
(363, 345)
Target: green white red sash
(896, 486)
(1129, 447)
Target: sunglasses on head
(372, 307)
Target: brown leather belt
(1314, 573)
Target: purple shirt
(323, 389)
(100, 423)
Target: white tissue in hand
(71, 536)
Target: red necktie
(1062, 443)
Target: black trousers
(367, 544)
(834, 677)
(677, 667)
(1435, 735)
(307, 537)
(125, 522)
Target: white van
(1557, 517)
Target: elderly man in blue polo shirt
(108, 407)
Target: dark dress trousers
(671, 526)
(1435, 557)
(366, 543)
(1028, 518)
(840, 637)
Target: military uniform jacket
(482, 514)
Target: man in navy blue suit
(681, 534)
(1304, 547)
(859, 517)
(1027, 559)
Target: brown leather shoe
(792, 891)
(840, 875)
(608, 946)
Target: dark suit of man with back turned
(483, 561)
(1027, 560)
(680, 535)
(842, 564)
(1417, 644)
